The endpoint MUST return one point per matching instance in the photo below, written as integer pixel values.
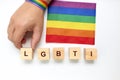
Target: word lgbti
(58, 53)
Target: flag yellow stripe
(70, 25)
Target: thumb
(36, 37)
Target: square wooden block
(44, 54)
(58, 53)
(74, 53)
(26, 53)
(90, 53)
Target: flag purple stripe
(74, 4)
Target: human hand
(27, 18)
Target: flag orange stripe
(70, 32)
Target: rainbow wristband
(39, 3)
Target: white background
(106, 67)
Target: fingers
(10, 31)
(18, 37)
(36, 37)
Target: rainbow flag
(71, 22)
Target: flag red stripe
(69, 39)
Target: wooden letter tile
(90, 53)
(26, 53)
(44, 54)
(58, 53)
(74, 53)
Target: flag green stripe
(71, 18)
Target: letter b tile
(58, 53)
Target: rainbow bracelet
(39, 3)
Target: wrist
(42, 4)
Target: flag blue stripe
(71, 11)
